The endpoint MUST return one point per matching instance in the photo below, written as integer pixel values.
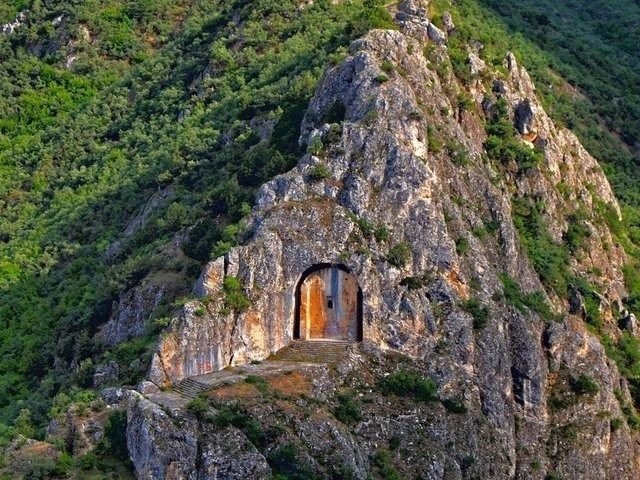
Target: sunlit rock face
(383, 193)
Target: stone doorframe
(297, 321)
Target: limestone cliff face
(378, 196)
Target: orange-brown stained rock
(348, 306)
(312, 309)
(317, 318)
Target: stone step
(314, 351)
(190, 388)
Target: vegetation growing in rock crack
(399, 254)
(234, 297)
(409, 384)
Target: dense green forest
(159, 93)
(105, 102)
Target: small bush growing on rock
(114, 441)
(399, 255)
(198, 406)
(382, 78)
(319, 172)
(234, 297)
(336, 113)
(387, 66)
(454, 405)
(465, 102)
(223, 417)
(478, 311)
(409, 384)
(534, 301)
(616, 424)
(584, 385)
(232, 415)
(334, 134)
(412, 283)
(462, 246)
(381, 233)
(577, 232)
(458, 153)
(286, 463)
(384, 463)
(315, 146)
(434, 143)
(503, 144)
(348, 409)
(259, 382)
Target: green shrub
(399, 254)
(89, 461)
(114, 441)
(458, 153)
(387, 67)
(286, 463)
(319, 172)
(315, 146)
(478, 311)
(234, 297)
(535, 301)
(382, 78)
(227, 415)
(502, 143)
(381, 233)
(577, 232)
(383, 462)
(348, 410)
(549, 258)
(454, 405)
(198, 406)
(465, 102)
(409, 384)
(412, 283)
(462, 245)
(259, 382)
(584, 385)
(560, 401)
(616, 424)
(479, 232)
(434, 143)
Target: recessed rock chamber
(328, 304)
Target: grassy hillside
(581, 56)
(104, 102)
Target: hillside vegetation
(105, 103)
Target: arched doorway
(328, 304)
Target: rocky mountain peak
(400, 195)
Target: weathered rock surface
(105, 374)
(173, 445)
(9, 27)
(131, 313)
(382, 172)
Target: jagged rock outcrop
(378, 169)
(131, 313)
(174, 446)
(10, 27)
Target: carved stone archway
(328, 304)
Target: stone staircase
(314, 351)
(190, 388)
